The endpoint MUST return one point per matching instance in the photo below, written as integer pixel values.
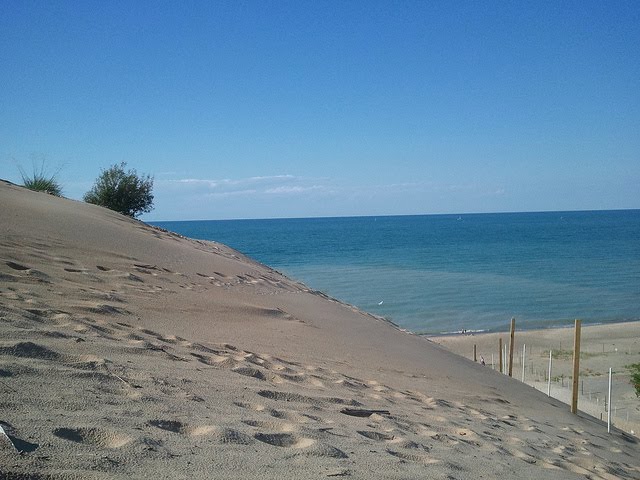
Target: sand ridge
(150, 355)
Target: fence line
(596, 397)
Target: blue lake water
(442, 273)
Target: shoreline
(536, 329)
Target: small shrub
(40, 181)
(125, 192)
(635, 376)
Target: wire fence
(593, 397)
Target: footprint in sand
(303, 445)
(32, 273)
(295, 397)
(174, 340)
(413, 457)
(351, 384)
(391, 439)
(30, 350)
(10, 295)
(93, 436)
(218, 434)
(256, 407)
(287, 415)
(525, 457)
(285, 440)
(49, 316)
(101, 328)
(378, 436)
(282, 427)
(293, 416)
(250, 372)
(17, 266)
(217, 361)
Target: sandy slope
(129, 352)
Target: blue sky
(294, 109)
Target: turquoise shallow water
(442, 273)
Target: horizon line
(506, 212)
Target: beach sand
(614, 346)
(131, 352)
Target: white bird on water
(380, 302)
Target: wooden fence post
(576, 367)
(511, 344)
(500, 352)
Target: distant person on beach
(482, 360)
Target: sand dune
(131, 352)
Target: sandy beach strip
(604, 346)
(127, 352)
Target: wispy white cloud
(249, 186)
(295, 189)
(287, 185)
(227, 182)
(272, 178)
(233, 193)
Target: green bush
(40, 181)
(124, 192)
(635, 376)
